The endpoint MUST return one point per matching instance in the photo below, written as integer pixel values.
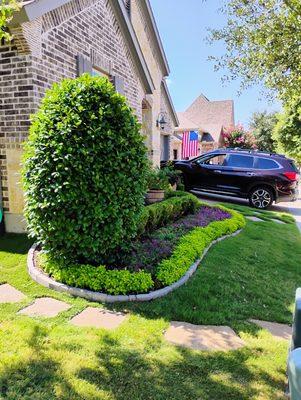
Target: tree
(7, 9)
(85, 169)
(262, 125)
(237, 136)
(262, 40)
(287, 132)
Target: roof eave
(156, 33)
(127, 28)
(170, 102)
(32, 9)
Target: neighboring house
(207, 117)
(62, 38)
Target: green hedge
(99, 278)
(175, 206)
(190, 248)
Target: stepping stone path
(279, 331)
(198, 337)
(98, 318)
(8, 294)
(278, 221)
(45, 307)
(255, 219)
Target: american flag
(190, 144)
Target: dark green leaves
(84, 171)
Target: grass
(252, 275)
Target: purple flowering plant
(149, 251)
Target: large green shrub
(84, 171)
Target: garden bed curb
(43, 279)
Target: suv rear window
(293, 165)
(237, 160)
(264, 163)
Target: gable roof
(186, 124)
(209, 116)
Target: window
(264, 163)
(175, 154)
(98, 72)
(240, 161)
(215, 160)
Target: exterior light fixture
(161, 121)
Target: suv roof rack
(250, 151)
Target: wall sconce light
(161, 121)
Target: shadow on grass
(37, 377)
(129, 374)
(15, 243)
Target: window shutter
(118, 82)
(83, 65)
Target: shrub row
(115, 282)
(192, 246)
(176, 205)
(98, 279)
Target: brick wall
(43, 52)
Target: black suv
(258, 176)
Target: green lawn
(252, 275)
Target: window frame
(266, 169)
(241, 155)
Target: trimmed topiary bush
(84, 172)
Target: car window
(294, 167)
(215, 160)
(264, 163)
(237, 160)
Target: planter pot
(154, 196)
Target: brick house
(62, 38)
(207, 117)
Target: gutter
(126, 25)
(156, 33)
(171, 105)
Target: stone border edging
(43, 279)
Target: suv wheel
(261, 197)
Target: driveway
(294, 207)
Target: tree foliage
(262, 125)
(7, 8)
(287, 132)
(262, 40)
(85, 171)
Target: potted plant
(157, 183)
(173, 175)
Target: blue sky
(183, 27)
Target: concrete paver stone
(98, 318)
(8, 294)
(198, 337)
(279, 331)
(45, 307)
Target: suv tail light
(292, 176)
